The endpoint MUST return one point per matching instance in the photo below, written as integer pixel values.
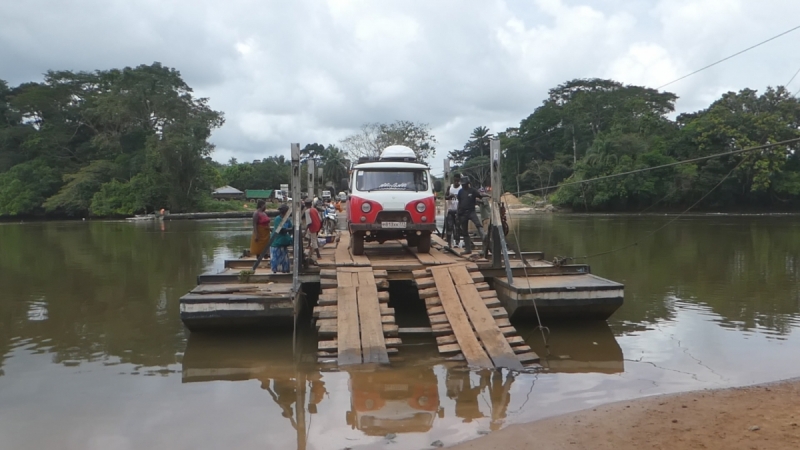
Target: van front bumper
(379, 227)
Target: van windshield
(391, 180)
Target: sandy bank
(756, 417)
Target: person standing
(313, 224)
(260, 238)
(467, 199)
(279, 250)
(451, 202)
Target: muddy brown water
(93, 354)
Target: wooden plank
(492, 303)
(415, 330)
(425, 283)
(503, 323)
(481, 287)
(449, 348)
(383, 297)
(458, 319)
(515, 340)
(342, 254)
(347, 325)
(373, 345)
(345, 279)
(390, 330)
(433, 301)
(387, 319)
(380, 274)
(424, 258)
(421, 273)
(393, 342)
(435, 310)
(327, 273)
(441, 329)
(327, 345)
(528, 357)
(522, 349)
(430, 292)
(225, 288)
(508, 331)
(498, 312)
(439, 318)
(485, 326)
(489, 294)
(444, 340)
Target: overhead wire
(663, 166)
(728, 57)
(636, 242)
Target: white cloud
(309, 71)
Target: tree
(477, 145)
(334, 166)
(372, 138)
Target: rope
(530, 291)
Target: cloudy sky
(314, 71)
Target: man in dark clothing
(467, 199)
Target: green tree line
(109, 142)
(589, 128)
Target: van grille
(394, 216)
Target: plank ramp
(468, 320)
(354, 322)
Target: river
(93, 354)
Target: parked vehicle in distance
(391, 198)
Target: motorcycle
(329, 220)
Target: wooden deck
(468, 303)
(352, 308)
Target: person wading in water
(261, 231)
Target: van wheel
(424, 244)
(412, 240)
(358, 244)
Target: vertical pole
(499, 248)
(298, 245)
(447, 178)
(312, 174)
(300, 409)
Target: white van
(391, 198)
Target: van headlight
(366, 207)
(420, 207)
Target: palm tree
(334, 165)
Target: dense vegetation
(119, 142)
(591, 128)
(106, 143)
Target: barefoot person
(260, 238)
(314, 224)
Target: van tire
(358, 244)
(412, 240)
(424, 243)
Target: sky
(314, 71)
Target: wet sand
(755, 417)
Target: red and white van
(391, 198)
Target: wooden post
(498, 238)
(447, 178)
(311, 178)
(298, 244)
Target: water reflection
(586, 347)
(420, 394)
(91, 342)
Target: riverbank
(755, 417)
